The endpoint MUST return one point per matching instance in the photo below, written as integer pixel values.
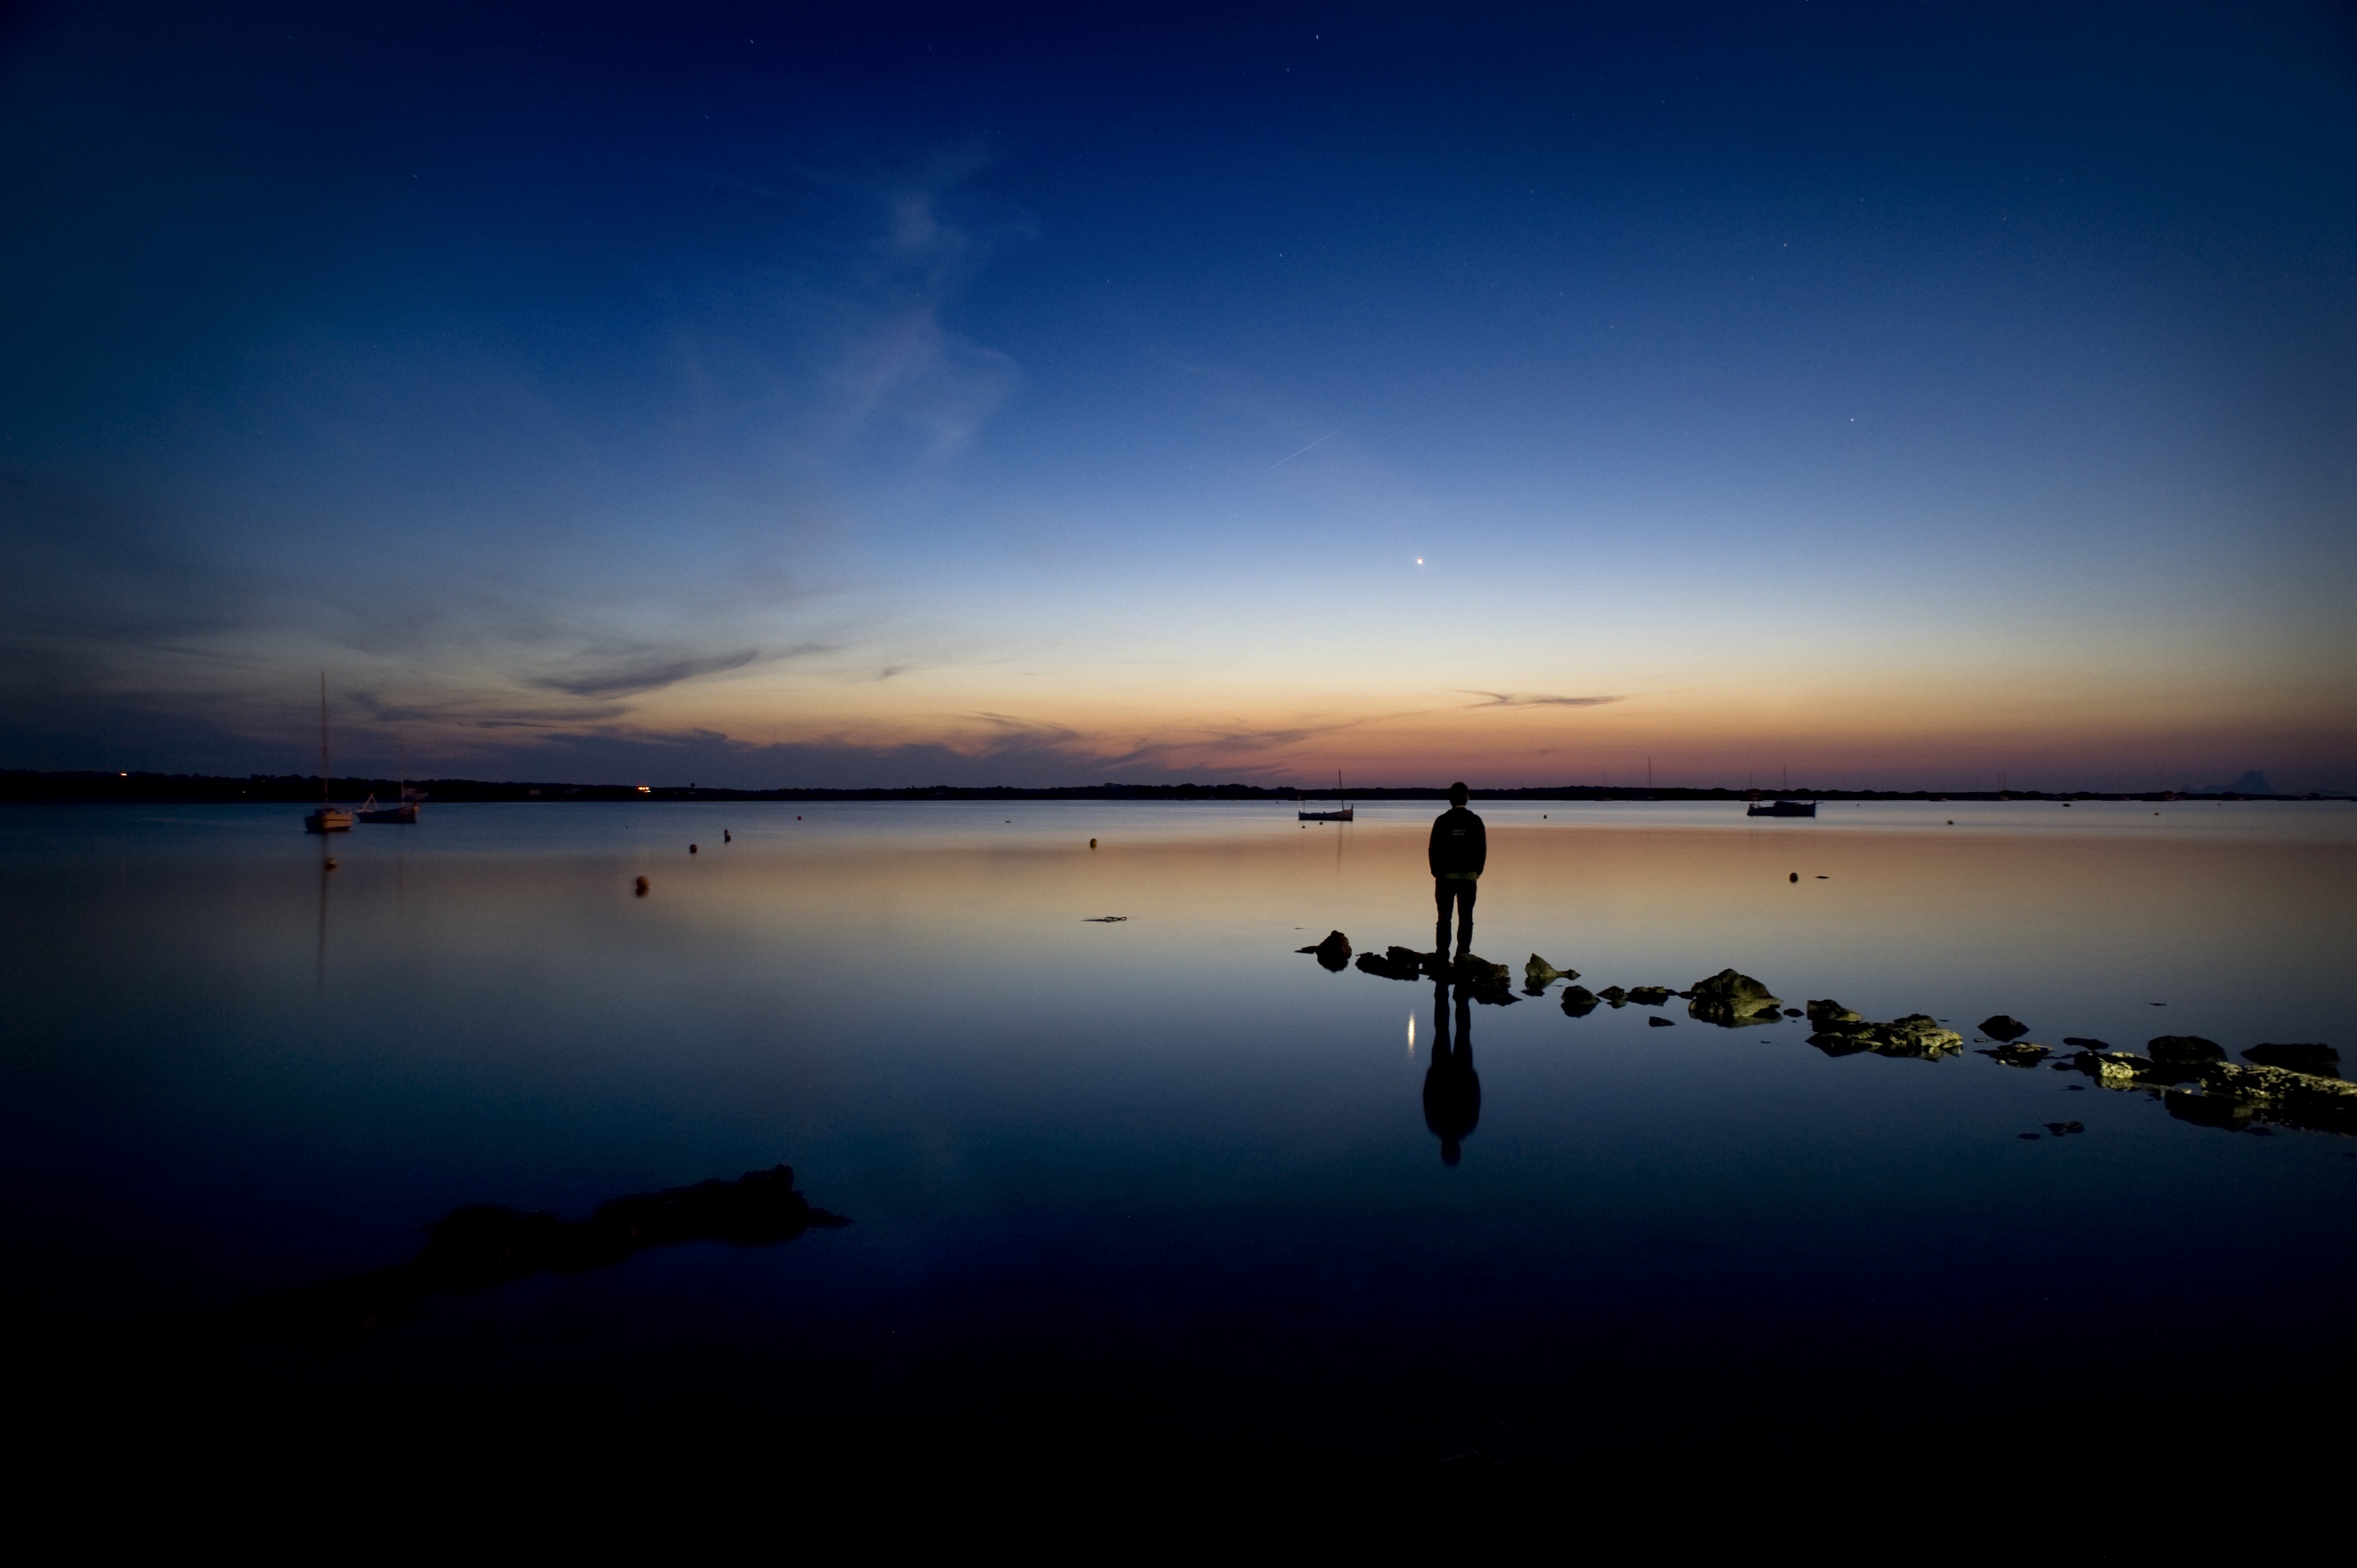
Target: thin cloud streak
(1536, 699)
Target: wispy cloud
(649, 673)
(1535, 700)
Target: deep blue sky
(1902, 393)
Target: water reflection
(480, 1246)
(1452, 1090)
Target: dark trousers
(1456, 891)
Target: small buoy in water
(727, 837)
(330, 863)
(798, 819)
(641, 888)
(1093, 844)
(1951, 821)
(1796, 877)
(690, 849)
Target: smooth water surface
(1167, 1162)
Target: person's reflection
(1452, 1093)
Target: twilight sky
(1906, 394)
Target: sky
(1885, 396)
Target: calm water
(1166, 1167)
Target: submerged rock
(1540, 973)
(2019, 1053)
(2320, 1060)
(1650, 995)
(1732, 1001)
(1393, 963)
(1579, 1000)
(1829, 1013)
(2185, 1050)
(2003, 1029)
(1616, 994)
(2085, 1045)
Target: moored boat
(1340, 815)
(404, 811)
(328, 819)
(1782, 808)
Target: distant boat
(1783, 808)
(405, 811)
(328, 819)
(1341, 816)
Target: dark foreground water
(1162, 1186)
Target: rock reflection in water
(483, 1245)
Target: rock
(1472, 968)
(1918, 1035)
(2003, 1029)
(1579, 1000)
(1492, 983)
(1732, 1001)
(2065, 1129)
(1393, 963)
(2320, 1060)
(1793, 1013)
(2085, 1045)
(2184, 1050)
(1829, 1014)
(1334, 952)
(2019, 1053)
(1541, 973)
(1649, 995)
(2122, 1069)
(2285, 1098)
(1616, 994)
(1658, 1021)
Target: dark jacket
(1458, 844)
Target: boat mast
(323, 737)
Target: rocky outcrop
(1650, 995)
(2317, 1060)
(1617, 996)
(2184, 1050)
(1579, 1000)
(2277, 1095)
(1334, 952)
(2018, 1053)
(1393, 963)
(2003, 1029)
(1658, 1021)
(1842, 1033)
(1538, 974)
(1733, 1001)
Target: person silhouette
(1452, 1093)
(1460, 848)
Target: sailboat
(404, 809)
(1341, 816)
(328, 819)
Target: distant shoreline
(28, 787)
